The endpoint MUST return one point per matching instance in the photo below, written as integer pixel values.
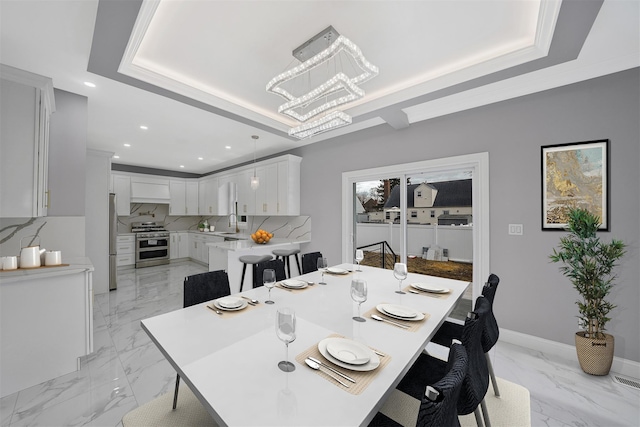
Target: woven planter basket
(595, 356)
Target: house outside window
(388, 215)
(433, 214)
(445, 212)
(419, 193)
(414, 214)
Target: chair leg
(298, 264)
(476, 412)
(286, 262)
(244, 269)
(175, 394)
(485, 414)
(493, 376)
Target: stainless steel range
(152, 244)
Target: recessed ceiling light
(89, 84)
(127, 145)
(182, 166)
(116, 157)
(200, 158)
(143, 127)
(228, 147)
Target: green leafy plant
(589, 264)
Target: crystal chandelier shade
(321, 103)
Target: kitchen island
(46, 322)
(225, 256)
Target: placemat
(362, 379)
(413, 290)
(229, 314)
(413, 326)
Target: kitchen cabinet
(122, 188)
(289, 186)
(179, 245)
(183, 197)
(26, 104)
(208, 196)
(126, 250)
(246, 194)
(267, 192)
(191, 198)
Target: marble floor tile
(127, 370)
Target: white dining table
(230, 361)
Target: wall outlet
(515, 230)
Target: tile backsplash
(281, 226)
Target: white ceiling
(215, 58)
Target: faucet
(234, 216)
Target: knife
(346, 377)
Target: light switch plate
(515, 230)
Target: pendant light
(255, 181)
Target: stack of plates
(430, 288)
(349, 354)
(294, 284)
(336, 270)
(230, 303)
(400, 312)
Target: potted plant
(589, 263)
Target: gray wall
(534, 298)
(67, 152)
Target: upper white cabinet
(178, 202)
(289, 186)
(191, 197)
(246, 195)
(267, 191)
(26, 104)
(208, 196)
(122, 188)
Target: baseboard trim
(620, 365)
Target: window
(414, 214)
(388, 215)
(433, 214)
(419, 193)
(445, 212)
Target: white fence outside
(458, 240)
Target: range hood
(146, 192)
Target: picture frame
(575, 175)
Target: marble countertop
(241, 245)
(23, 274)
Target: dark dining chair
(310, 262)
(440, 399)
(200, 288)
(274, 264)
(476, 381)
(490, 333)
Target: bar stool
(286, 254)
(253, 260)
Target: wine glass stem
(359, 309)
(286, 352)
(400, 284)
(269, 294)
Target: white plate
(336, 270)
(242, 305)
(294, 284)
(372, 364)
(229, 302)
(349, 351)
(400, 312)
(430, 288)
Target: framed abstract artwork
(575, 175)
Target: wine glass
(359, 257)
(269, 280)
(322, 266)
(286, 332)
(359, 295)
(400, 273)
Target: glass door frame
(477, 163)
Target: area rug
(189, 412)
(511, 409)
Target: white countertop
(76, 265)
(240, 245)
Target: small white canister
(53, 258)
(9, 263)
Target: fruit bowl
(261, 237)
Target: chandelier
(328, 76)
